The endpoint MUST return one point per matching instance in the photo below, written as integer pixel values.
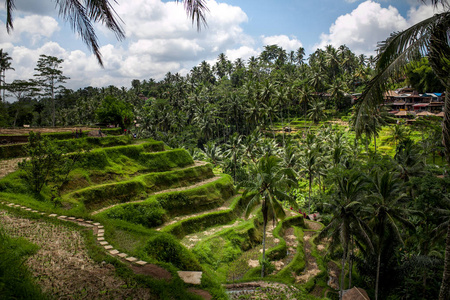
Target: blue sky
(160, 38)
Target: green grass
(204, 221)
(219, 252)
(16, 281)
(161, 207)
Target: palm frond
(102, 11)
(10, 6)
(76, 14)
(252, 203)
(196, 10)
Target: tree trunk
(444, 293)
(446, 125)
(350, 264)
(341, 288)
(309, 192)
(265, 211)
(378, 274)
(375, 142)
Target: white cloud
(243, 52)
(364, 27)
(422, 12)
(368, 24)
(33, 28)
(160, 38)
(282, 41)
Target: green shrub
(148, 214)
(14, 183)
(16, 282)
(11, 151)
(165, 248)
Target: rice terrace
(243, 152)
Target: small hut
(355, 294)
(424, 114)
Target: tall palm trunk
(341, 288)
(378, 274)
(375, 142)
(444, 293)
(265, 213)
(350, 264)
(309, 192)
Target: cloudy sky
(160, 38)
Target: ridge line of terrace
(200, 183)
(197, 163)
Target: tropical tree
(232, 150)
(398, 133)
(82, 14)
(308, 163)
(345, 206)
(444, 229)
(115, 111)
(316, 111)
(267, 186)
(5, 64)
(49, 75)
(213, 153)
(387, 214)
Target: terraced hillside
(158, 211)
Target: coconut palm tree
(233, 149)
(444, 228)
(398, 134)
(316, 111)
(388, 214)
(346, 222)
(81, 15)
(308, 163)
(5, 64)
(268, 184)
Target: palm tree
(409, 160)
(5, 64)
(316, 110)
(346, 222)
(308, 163)
(337, 90)
(444, 228)
(233, 148)
(213, 153)
(387, 213)
(398, 134)
(81, 15)
(268, 185)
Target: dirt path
(62, 266)
(200, 183)
(311, 269)
(25, 131)
(291, 244)
(9, 165)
